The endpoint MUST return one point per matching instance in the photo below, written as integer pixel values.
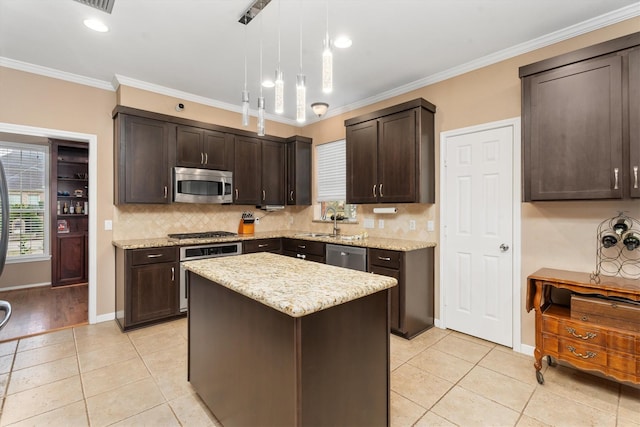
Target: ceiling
(194, 50)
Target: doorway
(479, 235)
(90, 287)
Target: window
(26, 167)
(332, 178)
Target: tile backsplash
(153, 221)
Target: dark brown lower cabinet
(147, 286)
(262, 245)
(411, 302)
(71, 262)
(253, 365)
(304, 249)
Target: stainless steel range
(202, 251)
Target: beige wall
(554, 234)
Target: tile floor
(95, 375)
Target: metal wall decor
(618, 248)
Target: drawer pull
(585, 318)
(263, 245)
(587, 336)
(301, 256)
(635, 177)
(615, 174)
(302, 246)
(154, 255)
(384, 258)
(589, 355)
(173, 274)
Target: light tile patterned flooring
(95, 375)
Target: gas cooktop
(200, 235)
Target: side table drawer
(582, 332)
(581, 354)
(606, 312)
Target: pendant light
(279, 82)
(245, 92)
(260, 98)
(301, 89)
(327, 60)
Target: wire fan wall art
(618, 244)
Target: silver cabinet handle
(381, 195)
(384, 258)
(615, 174)
(173, 274)
(206, 158)
(302, 246)
(202, 158)
(635, 177)
(264, 194)
(374, 191)
(291, 196)
(154, 255)
(264, 245)
(344, 254)
(301, 256)
(165, 191)
(236, 194)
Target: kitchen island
(279, 341)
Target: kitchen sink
(314, 235)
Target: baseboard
(527, 349)
(105, 317)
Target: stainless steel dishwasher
(347, 257)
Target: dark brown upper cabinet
(142, 159)
(202, 148)
(390, 155)
(580, 120)
(273, 167)
(246, 171)
(299, 171)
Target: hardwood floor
(44, 309)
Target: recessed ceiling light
(342, 42)
(268, 83)
(96, 25)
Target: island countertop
(292, 286)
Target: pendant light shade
(327, 67)
(261, 116)
(301, 98)
(279, 92)
(245, 108)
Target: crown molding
(55, 74)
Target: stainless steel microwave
(191, 185)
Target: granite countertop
(402, 245)
(290, 285)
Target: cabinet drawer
(308, 257)
(581, 331)
(262, 245)
(622, 342)
(581, 354)
(385, 258)
(605, 312)
(153, 255)
(307, 247)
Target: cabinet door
(214, 148)
(394, 303)
(247, 171)
(273, 173)
(634, 122)
(189, 151)
(573, 132)
(397, 157)
(71, 259)
(298, 173)
(362, 161)
(143, 164)
(154, 293)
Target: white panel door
(478, 204)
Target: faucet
(336, 230)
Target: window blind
(332, 177)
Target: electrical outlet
(412, 224)
(108, 224)
(381, 223)
(430, 226)
(369, 223)
(257, 220)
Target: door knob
(504, 247)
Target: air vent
(103, 5)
